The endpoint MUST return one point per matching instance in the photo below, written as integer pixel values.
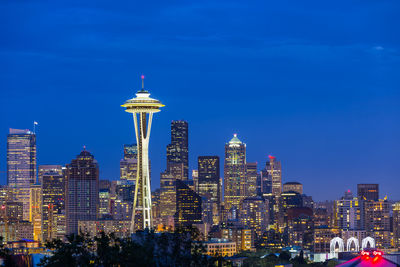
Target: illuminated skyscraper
(188, 205)
(251, 179)
(376, 217)
(35, 212)
(128, 165)
(178, 150)
(209, 185)
(396, 224)
(234, 173)
(21, 158)
(143, 106)
(254, 214)
(177, 169)
(53, 202)
(167, 194)
(347, 213)
(82, 190)
(104, 204)
(274, 171)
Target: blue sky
(315, 83)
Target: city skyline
(155, 185)
(321, 97)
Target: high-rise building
(251, 179)
(21, 158)
(53, 202)
(22, 195)
(188, 206)
(130, 151)
(121, 199)
(368, 191)
(396, 224)
(376, 216)
(177, 169)
(287, 200)
(156, 208)
(234, 173)
(178, 150)
(293, 186)
(209, 185)
(300, 227)
(35, 213)
(274, 171)
(143, 106)
(254, 214)
(105, 184)
(82, 190)
(347, 213)
(167, 194)
(128, 165)
(104, 203)
(264, 183)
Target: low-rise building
(220, 247)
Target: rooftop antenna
(34, 126)
(142, 81)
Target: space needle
(142, 107)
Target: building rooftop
(235, 140)
(219, 240)
(293, 183)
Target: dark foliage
(146, 248)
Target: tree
(5, 253)
(76, 251)
(299, 260)
(284, 256)
(107, 250)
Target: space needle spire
(142, 107)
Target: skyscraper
(167, 195)
(251, 179)
(53, 202)
(368, 191)
(21, 158)
(178, 150)
(396, 224)
(35, 212)
(177, 169)
(376, 217)
(209, 184)
(143, 106)
(234, 173)
(188, 205)
(254, 214)
(274, 172)
(82, 190)
(347, 213)
(128, 165)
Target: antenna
(142, 81)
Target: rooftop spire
(142, 81)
